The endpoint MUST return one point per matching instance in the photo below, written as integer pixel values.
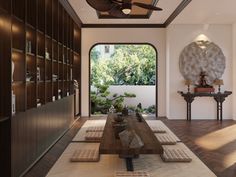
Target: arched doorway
(120, 71)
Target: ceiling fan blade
(101, 5)
(116, 12)
(147, 6)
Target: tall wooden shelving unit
(55, 51)
(43, 42)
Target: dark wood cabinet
(5, 87)
(31, 11)
(40, 40)
(43, 63)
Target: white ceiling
(89, 16)
(197, 12)
(208, 12)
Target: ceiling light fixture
(126, 8)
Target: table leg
(190, 112)
(129, 164)
(217, 104)
(221, 111)
(187, 111)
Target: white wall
(91, 36)
(144, 94)
(234, 68)
(178, 36)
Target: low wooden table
(111, 145)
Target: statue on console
(202, 80)
(202, 84)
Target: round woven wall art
(202, 56)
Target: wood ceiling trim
(144, 16)
(177, 11)
(154, 2)
(100, 16)
(168, 21)
(70, 10)
(123, 26)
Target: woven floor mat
(80, 136)
(95, 129)
(175, 155)
(158, 129)
(131, 174)
(85, 155)
(106, 166)
(165, 139)
(160, 123)
(93, 136)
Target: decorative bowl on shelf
(28, 78)
(119, 117)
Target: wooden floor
(201, 136)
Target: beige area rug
(109, 164)
(154, 165)
(106, 167)
(153, 123)
(81, 135)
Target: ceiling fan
(119, 8)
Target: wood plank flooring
(220, 156)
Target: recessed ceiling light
(126, 8)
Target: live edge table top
(110, 145)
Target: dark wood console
(219, 97)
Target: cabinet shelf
(30, 82)
(14, 17)
(2, 118)
(40, 82)
(17, 82)
(30, 54)
(30, 26)
(47, 36)
(39, 31)
(41, 57)
(43, 51)
(17, 50)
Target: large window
(123, 75)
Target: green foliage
(129, 65)
(95, 55)
(151, 109)
(101, 100)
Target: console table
(218, 97)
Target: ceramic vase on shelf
(29, 47)
(13, 102)
(38, 73)
(12, 70)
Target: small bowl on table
(119, 117)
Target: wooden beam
(123, 26)
(71, 12)
(176, 12)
